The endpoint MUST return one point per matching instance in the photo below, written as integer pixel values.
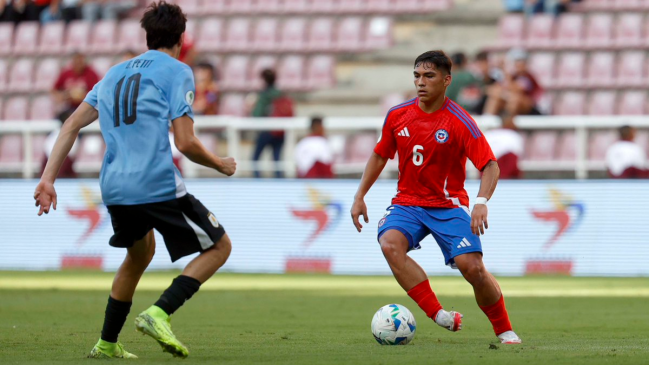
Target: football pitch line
(335, 285)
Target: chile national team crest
(441, 136)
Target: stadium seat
(321, 35)
(542, 66)
(210, 36)
(101, 65)
(351, 7)
(539, 31)
(77, 36)
(190, 29)
(601, 70)
(90, 154)
(26, 39)
(323, 7)
(320, 72)
(378, 34)
(437, 5)
(20, 76)
(235, 73)
(510, 31)
(260, 64)
(542, 146)
(38, 150)
(390, 100)
(268, 7)
(570, 31)
(47, 73)
(292, 36)
(239, 7)
(212, 7)
(265, 36)
(290, 73)
(567, 146)
(42, 108)
(379, 6)
(359, 147)
(630, 69)
(51, 39)
(630, 4)
(296, 6)
(642, 138)
(103, 37)
(11, 152)
(602, 103)
(190, 7)
(16, 108)
(6, 38)
(408, 6)
(1, 110)
(599, 34)
(350, 35)
(632, 103)
(570, 103)
(237, 36)
(233, 104)
(3, 76)
(131, 36)
(599, 142)
(629, 30)
(571, 70)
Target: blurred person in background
(66, 10)
(464, 88)
(626, 159)
(73, 84)
(313, 154)
(555, 7)
(270, 102)
(188, 52)
(519, 91)
(16, 11)
(207, 90)
(507, 146)
(92, 10)
(514, 6)
(487, 77)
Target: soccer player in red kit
(433, 137)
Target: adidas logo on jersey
(404, 132)
(464, 243)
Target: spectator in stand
(16, 11)
(548, 6)
(270, 102)
(507, 146)
(66, 10)
(187, 51)
(207, 91)
(626, 159)
(514, 6)
(107, 9)
(73, 84)
(519, 91)
(487, 77)
(313, 155)
(464, 88)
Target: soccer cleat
(157, 324)
(109, 350)
(452, 321)
(509, 338)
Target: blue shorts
(451, 228)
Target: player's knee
(391, 248)
(474, 274)
(224, 245)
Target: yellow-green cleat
(109, 350)
(157, 324)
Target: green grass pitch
(55, 318)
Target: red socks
(497, 314)
(426, 299)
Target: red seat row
(601, 103)
(19, 108)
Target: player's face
(430, 82)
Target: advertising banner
(585, 228)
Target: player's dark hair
(269, 77)
(626, 132)
(437, 58)
(164, 25)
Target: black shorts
(185, 224)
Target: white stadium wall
(558, 227)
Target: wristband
(480, 200)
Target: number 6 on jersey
(417, 158)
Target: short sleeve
(91, 97)
(386, 147)
(478, 151)
(182, 94)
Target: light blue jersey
(136, 101)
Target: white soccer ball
(393, 324)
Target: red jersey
(433, 149)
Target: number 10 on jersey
(128, 100)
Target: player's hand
(45, 196)
(359, 208)
(228, 166)
(479, 219)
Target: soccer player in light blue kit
(140, 185)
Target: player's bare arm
(373, 169)
(190, 146)
(490, 175)
(45, 195)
